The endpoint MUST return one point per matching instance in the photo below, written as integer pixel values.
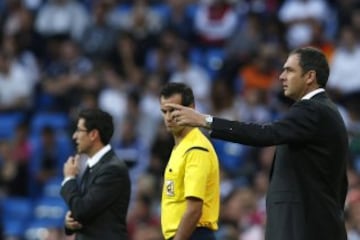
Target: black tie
(84, 179)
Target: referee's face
(170, 121)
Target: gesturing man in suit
(98, 206)
(308, 182)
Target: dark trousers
(201, 233)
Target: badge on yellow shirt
(170, 188)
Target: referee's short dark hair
(187, 95)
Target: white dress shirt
(312, 93)
(91, 162)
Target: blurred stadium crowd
(60, 56)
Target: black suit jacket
(308, 182)
(102, 203)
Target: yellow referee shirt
(192, 171)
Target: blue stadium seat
(196, 56)
(16, 214)
(39, 228)
(17, 208)
(52, 187)
(162, 10)
(8, 123)
(51, 209)
(64, 146)
(59, 121)
(231, 155)
(14, 228)
(214, 61)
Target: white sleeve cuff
(66, 180)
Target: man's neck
(179, 136)
(94, 150)
(312, 93)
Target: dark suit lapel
(84, 179)
(318, 97)
(95, 169)
(272, 165)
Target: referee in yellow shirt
(191, 195)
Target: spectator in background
(244, 41)
(225, 103)
(321, 41)
(13, 172)
(62, 17)
(19, 23)
(215, 22)
(150, 101)
(127, 54)
(47, 159)
(193, 75)
(133, 150)
(160, 153)
(88, 99)
(344, 85)
(16, 88)
(353, 213)
(298, 16)
(22, 57)
(142, 216)
(161, 60)
(355, 20)
(146, 232)
(19, 156)
(141, 21)
(243, 45)
(239, 210)
(10, 17)
(260, 73)
(65, 76)
(255, 82)
(180, 20)
(223, 99)
(343, 12)
(98, 40)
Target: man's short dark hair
(313, 59)
(100, 120)
(170, 89)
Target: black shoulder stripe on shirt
(196, 148)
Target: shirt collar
(97, 156)
(312, 93)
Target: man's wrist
(208, 121)
(66, 179)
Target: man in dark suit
(308, 182)
(98, 206)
